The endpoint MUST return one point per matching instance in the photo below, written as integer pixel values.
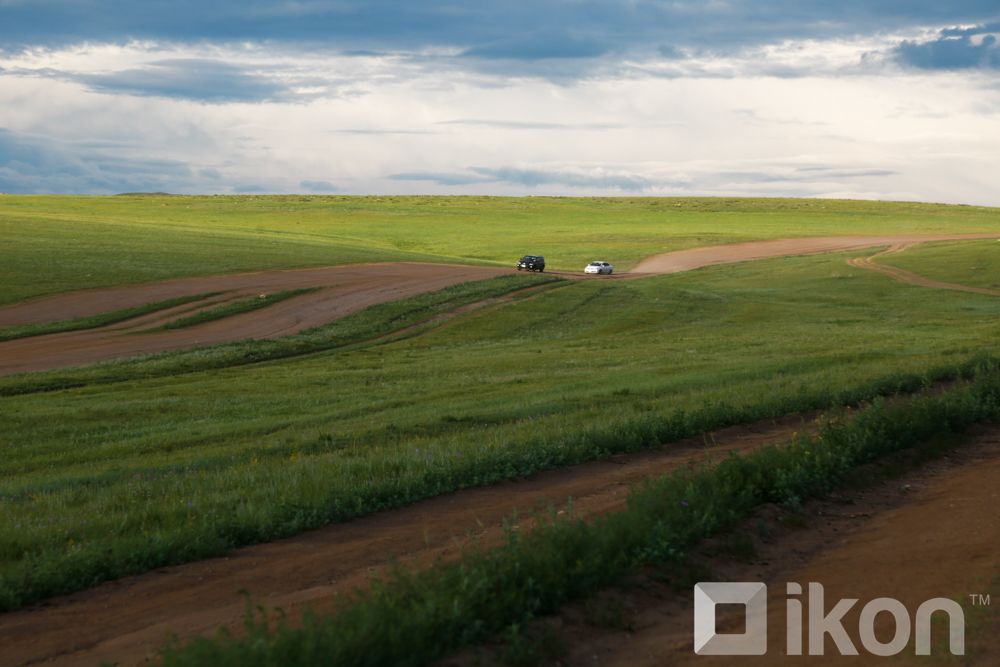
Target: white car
(599, 267)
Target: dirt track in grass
(902, 275)
(126, 621)
(342, 290)
(934, 532)
(696, 258)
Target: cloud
(595, 178)
(954, 48)
(530, 125)
(187, 78)
(441, 178)
(692, 178)
(32, 164)
(799, 175)
(519, 32)
(318, 186)
(826, 172)
(379, 131)
(233, 75)
(539, 46)
(540, 97)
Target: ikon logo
(753, 641)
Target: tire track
(910, 278)
(343, 290)
(127, 620)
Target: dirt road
(932, 533)
(127, 620)
(904, 276)
(696, 258)
(343, 290)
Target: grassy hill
(123, 476)
(52, 244)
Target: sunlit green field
(50, 244)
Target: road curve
(342, 290)
(696, 258)
(904, 276)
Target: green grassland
(102, 241)
(415, 618)
(975, 263)
(116, 477)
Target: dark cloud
(955, 48)
(441, 178)
(31, 164)
(669, 52)
(800, 175)
(253, 189)
(201, 80)
(189, 78)
(318, 186)
(543, 46)
(518, 31)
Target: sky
(874, 99)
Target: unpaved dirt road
(127, 620)
(904, 276)
(696, 258)
(343, 290)
(935, 532)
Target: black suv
(531, 263)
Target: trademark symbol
(978, 600)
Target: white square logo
(753, 641)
